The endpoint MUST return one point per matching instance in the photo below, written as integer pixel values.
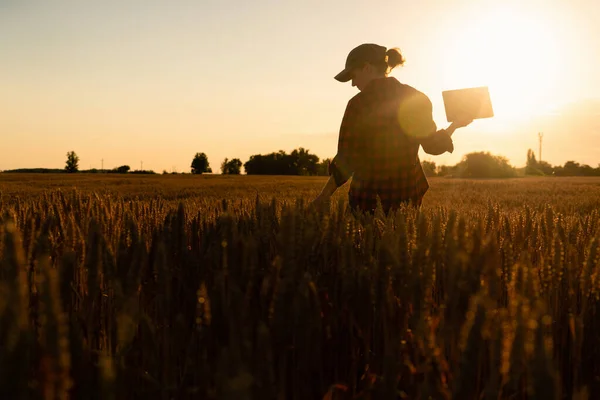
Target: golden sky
(151, 81)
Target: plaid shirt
(381, 131)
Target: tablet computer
(469, 103)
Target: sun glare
(516, 54)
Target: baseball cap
(360, 55)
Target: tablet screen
(470, 103)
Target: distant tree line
(231, 167)
(298, 162)
(301, 162)
(486, 165)
(570, 168)
(473, 165)
(72, 166)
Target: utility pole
(102, 164)
(141, 165)
(540, 136)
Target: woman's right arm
(349, 153)
(350, 146)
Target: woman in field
(380, 134)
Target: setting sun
(516, 53)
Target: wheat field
(223, 287)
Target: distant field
(180, 286)
(570, 195)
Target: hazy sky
(130, 81)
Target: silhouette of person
(380, 134)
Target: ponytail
(394, 58)
(389, 60)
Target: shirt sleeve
(415, 116)
(350, 143)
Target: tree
(586, 170)
(231, 167)
(429, 168)
(446, 170)
(299, 162)
(200, 164)
(303, 162)
(532, 167)
(531, 161)
(123, 169)
(72, 162)
(571, 168)
(224, 166)
(485, 165)
(545, 167)
(323, 167)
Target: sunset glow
(121, 83)
(518, 54)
